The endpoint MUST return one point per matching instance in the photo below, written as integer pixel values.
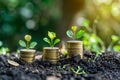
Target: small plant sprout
(63, 67)
(74, 34)
(97, 54)
(78, 71)
(52, 40)
(28, 44)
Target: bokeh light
(30, 24)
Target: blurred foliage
(20, 17)
(115, 44)
(5, 51)
(91, 40)
(94, 43)
(99, 18)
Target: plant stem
(27, 46)
(74, 37)
(52, 44)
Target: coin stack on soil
(51, 54)
(75, 48)
(27, 55)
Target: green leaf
(79, 68)
(56, 41)
(79, 34)
(83, 72)
(114, 38)
(69, 33)
(72, 69)
(22, 43)
(46, 40)
(52, 35)
(116, 48)
(86, 23)
(33, 44)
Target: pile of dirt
(104, 67)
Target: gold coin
(13, 63)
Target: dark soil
(105, 67)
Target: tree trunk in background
(69, 9)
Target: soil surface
(104, 67)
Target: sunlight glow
(115, 9)
(80, 21)
(103, 2)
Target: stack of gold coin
(75, 48)
(27, 55)
(51, 54)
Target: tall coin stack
(75, 48)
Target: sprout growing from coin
(74, 33)
(27, 43)
(52, 40)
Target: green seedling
(97, 54)
(74, 34)
(63, 67)
(91, 40)
(94, 43)
(52, 40)
(78, 71)
(28, 44)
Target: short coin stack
(27, 55)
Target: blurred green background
(36, 17)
